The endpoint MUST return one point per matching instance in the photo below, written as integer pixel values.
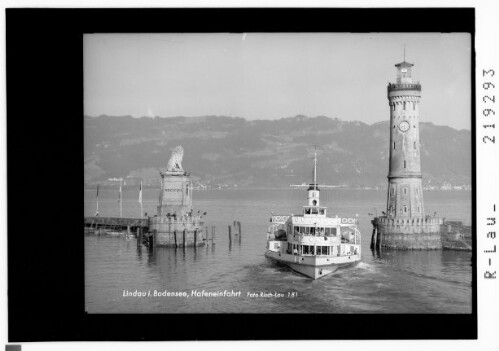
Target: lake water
(385, 282)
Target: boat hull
(312, 266)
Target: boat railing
(335, 251)
(296, 232)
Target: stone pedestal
(176, 225)
(410, 234)
(178, 232)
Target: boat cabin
(314, 211)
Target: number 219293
(489, 101)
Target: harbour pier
(176, 223)
(133, 226)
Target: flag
(140, 193)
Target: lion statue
(175, 162)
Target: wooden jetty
(130, 225)
(140, 228)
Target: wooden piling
(239, 228)
(373, 238)
(139, 236)
(195, 237)
(153, 241)
(213, 235)
(175, 237)
(378, 239)
(183, 238)
(230, 232)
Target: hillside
(231, 151)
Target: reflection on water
(384, 282)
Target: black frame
(45, 142)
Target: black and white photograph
(278, 173)
(189, 175)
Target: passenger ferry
(312, 243)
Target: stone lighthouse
(405, 225)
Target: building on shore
(176, 224)
(405, 225)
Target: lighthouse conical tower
(405, 193)
(405, 225)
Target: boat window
(325, 250)
(311, 250)
(321, 211)
(314, 211)
(333, 231)
(319, 250)
(312, 231)
(297, 229)
(328, 231)
(306, 249)
(307, 211)
(307, 230)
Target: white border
(486, 46)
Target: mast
(315, 185)
(315, 168)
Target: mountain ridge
(232, 151)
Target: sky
(275, 75)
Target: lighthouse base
(409, 233)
